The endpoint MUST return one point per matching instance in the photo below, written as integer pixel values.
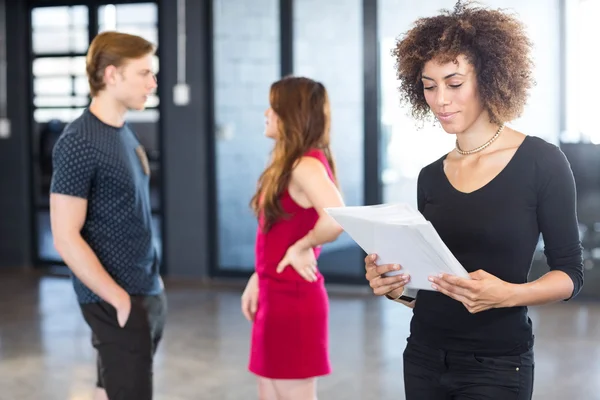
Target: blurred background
(207, 153)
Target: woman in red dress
(286, 298)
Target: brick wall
(246, 51)
(328, 48)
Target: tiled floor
(45, 351)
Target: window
(581, 86)
(113, 16)
(135, 19)
(59, 42)
(60, 101)
(58, 66)
(60, 29)
(581, 135)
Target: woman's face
(271, 124)
(451, 92)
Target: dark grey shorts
(125, 355)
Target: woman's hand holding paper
(381, 285)
(482, 292)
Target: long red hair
(302, 107)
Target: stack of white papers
(399, 234)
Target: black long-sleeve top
(496, 228)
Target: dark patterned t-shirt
(107, 166)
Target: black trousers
(434, 374)
(125, 355)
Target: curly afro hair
(493, 41)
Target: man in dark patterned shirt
(101, 218)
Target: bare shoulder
(307, 167)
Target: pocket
(500, 363)
(528, 359)
(134, 309)
(138, 314)
(101, 317)
(422, 355)
(502, 372)
(109, 313)
(129, 317)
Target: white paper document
(399, 234)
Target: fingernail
(396, 266)
(434, 286)
(406, 277)
(431, 279)
(373, 257)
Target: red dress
(290, 329)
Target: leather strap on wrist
(400, 298)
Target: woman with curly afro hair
(489, 199)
